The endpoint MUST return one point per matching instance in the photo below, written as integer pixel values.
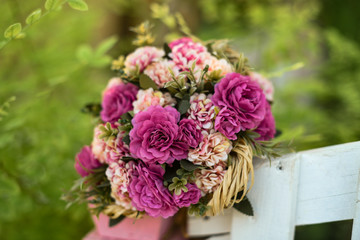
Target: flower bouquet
(177, 128)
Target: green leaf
(2, 44)
(101, 61)
(189, 166)
(13, 30)
(183, 106)
(92, 108)
(20, 35)
(115, 221)
(84, 54)
(146, 82)
(244, 207)
(78, 5)
(50, 4)
(126, 139)
(33, 17)
(105, 46)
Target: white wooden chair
(310, 187)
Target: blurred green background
(63, 63)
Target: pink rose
(185, 199)
(228, 123)
(148, 192)
(243, 96)
(85, 161)
(189, 133)
(117, 100)
(266, 128)
(154, 138)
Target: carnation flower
(159, 72)
(185, 199)
(217, 67)
(208, 180)
(213, 150)
(118, 174)
(266, 128)
(148, 192)
(149, 97)
(141, 58)
(85, 161)
(117, 100)
(116, 149)
(265, 84)
(154, 138)
(189, 133)
(184, 51)
(243, 96)
(202, 111)
(228, 123)
(98, 145)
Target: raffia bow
(114, 211)
(236, 179)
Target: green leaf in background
(78, 5)
(105, 46)
(33, 17)
(115, 221)
(50, 4)
(84, 54)
(244, 207)
(146, 82)
(12, 31)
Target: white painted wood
(273, 198)
(328, 184)
(356, 223)
(316, 186)
(198, 227)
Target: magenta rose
(85, 161)
(243, 96)
(189, 133)
(228, 123)
(266, 128)
(154, 138)
(185, 199)
(118, 100)
(148, 192)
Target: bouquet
(177, 128)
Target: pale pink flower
(159, 72)
(113, 82)
(116, 149)
(208, 180)
(149, 97)
(217, 67)
(265, 84)
(141, 58)
(202, 111)
(212, 150)
(118, 173)
(98, 145)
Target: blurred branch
(282, 71)
(17, 31)
(5, 106)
